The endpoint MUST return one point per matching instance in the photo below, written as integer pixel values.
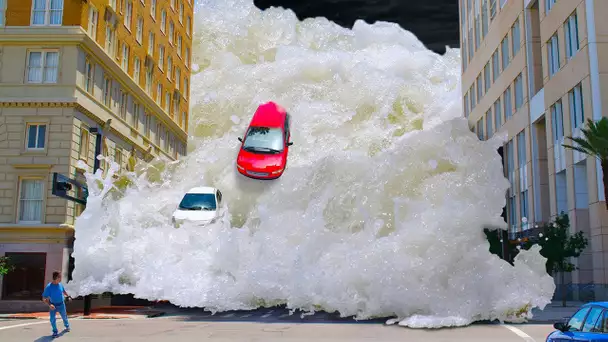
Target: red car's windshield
(264, 139)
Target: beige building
(66, 68)
(537, 69)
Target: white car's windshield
(198, 202)
(264, 139)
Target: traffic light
(62, 185)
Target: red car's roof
(268, 115)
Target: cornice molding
(32, 166)
(36, 104)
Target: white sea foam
(380, 211)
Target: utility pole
(98, 131)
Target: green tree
(594, 143)
(5, 266)
(558, 246)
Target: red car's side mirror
(240, 139)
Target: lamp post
(98, 131)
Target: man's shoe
(55, 335)
(67, 329)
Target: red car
(264, 149)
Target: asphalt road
(180, 328)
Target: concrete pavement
(174, 328)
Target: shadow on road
(49, 337)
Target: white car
(200, 205)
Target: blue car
(589, 323)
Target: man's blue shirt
(55, 292)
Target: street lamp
(98, 131)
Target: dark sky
(434, 22)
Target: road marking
(519, 333)
(22, 325)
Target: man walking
(53, 296)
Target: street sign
(70, 189)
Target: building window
(464, 56)
(128, 15)
(557, 117)
(113, 4)
(167, 102)
(486, 75)
(477, 30)
(89, 75)
(31, 199)
(479, 88)
(3, 12)
(169, 67)
(184, 115)
(508, 104)
(151, 43)
(110, 39)
(521, 149)
(571, 35)
(465, 104)
(503, 3)
(147, 124)
(473, 102)
(36, 136)
(83, 146)
(188, 24)
(42, 66)
(171, 31)
(93, 17)
(549, 5)
(515, 37)
(553, 54)
(176, 107)
(161, 57)
(107, 91)
(159, 92)
(118, 157)
(186, 91)
(484, 17)
(172, 4)
(136, 110)
(149, 81)
(159, 132)
(124, 101)
(179, 45)
(505, 52)
(519, 92)
(136, 69)
(480, 134)
(471, 38)
(47, 12)
(489, 127)
(497, 115)
(153, 9)
(163, 21)
(492, 9)
(181, 12)
(178, 78)
(124, 63)
(187, 58)
(495, 65)
(139, 34)
(577, 116)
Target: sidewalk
(555, 312)
(108, 312)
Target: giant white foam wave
(380, 211)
